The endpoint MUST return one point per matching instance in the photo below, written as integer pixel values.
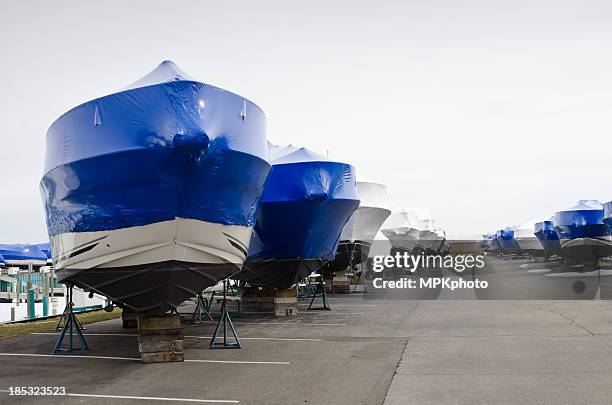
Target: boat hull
(550, 242)
(357, 237)
(529, 245)
(584, 242)
(152, 268)
(436, 245)
(586, 249)
(301, 215)
(278, 273)
(402, 239)
(364, 224)
(348, 254)
(509, 245)
(300, 237)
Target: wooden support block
(160, 338)
(162, 357)
(286, 302)
(161, 346)
(155, 336)
(285, 309)
(161, 334)
(341, 286)
(159, 322)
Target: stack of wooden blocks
(160, 338)
(340, 284)
(286, 302)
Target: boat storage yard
(191, 259)
(284, 284)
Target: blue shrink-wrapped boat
(151, 193)
(607, 219)
(306, 202)
(582, 233)
(546, 234)
(505, 237)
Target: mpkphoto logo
(431, 282)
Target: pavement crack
(400, 359)
(567, 318)
(390, 380)
(576, 323)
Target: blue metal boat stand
(71, 327)
(225, 321)
(201, 311)
(320, 290)
(62, 320)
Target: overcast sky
(486, 113)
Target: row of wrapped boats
(581, 233)
(414, 231)
(170, 185)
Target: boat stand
(61, 323)
(201, 311)
(225, 321)
(72, 327)
(355, 276)
(320, 288)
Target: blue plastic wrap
(546, 234)
(307, 200)
(19, 252)
(45, 248)
(584, 220)
(608, 216)
(505, 237)
(166, 147)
